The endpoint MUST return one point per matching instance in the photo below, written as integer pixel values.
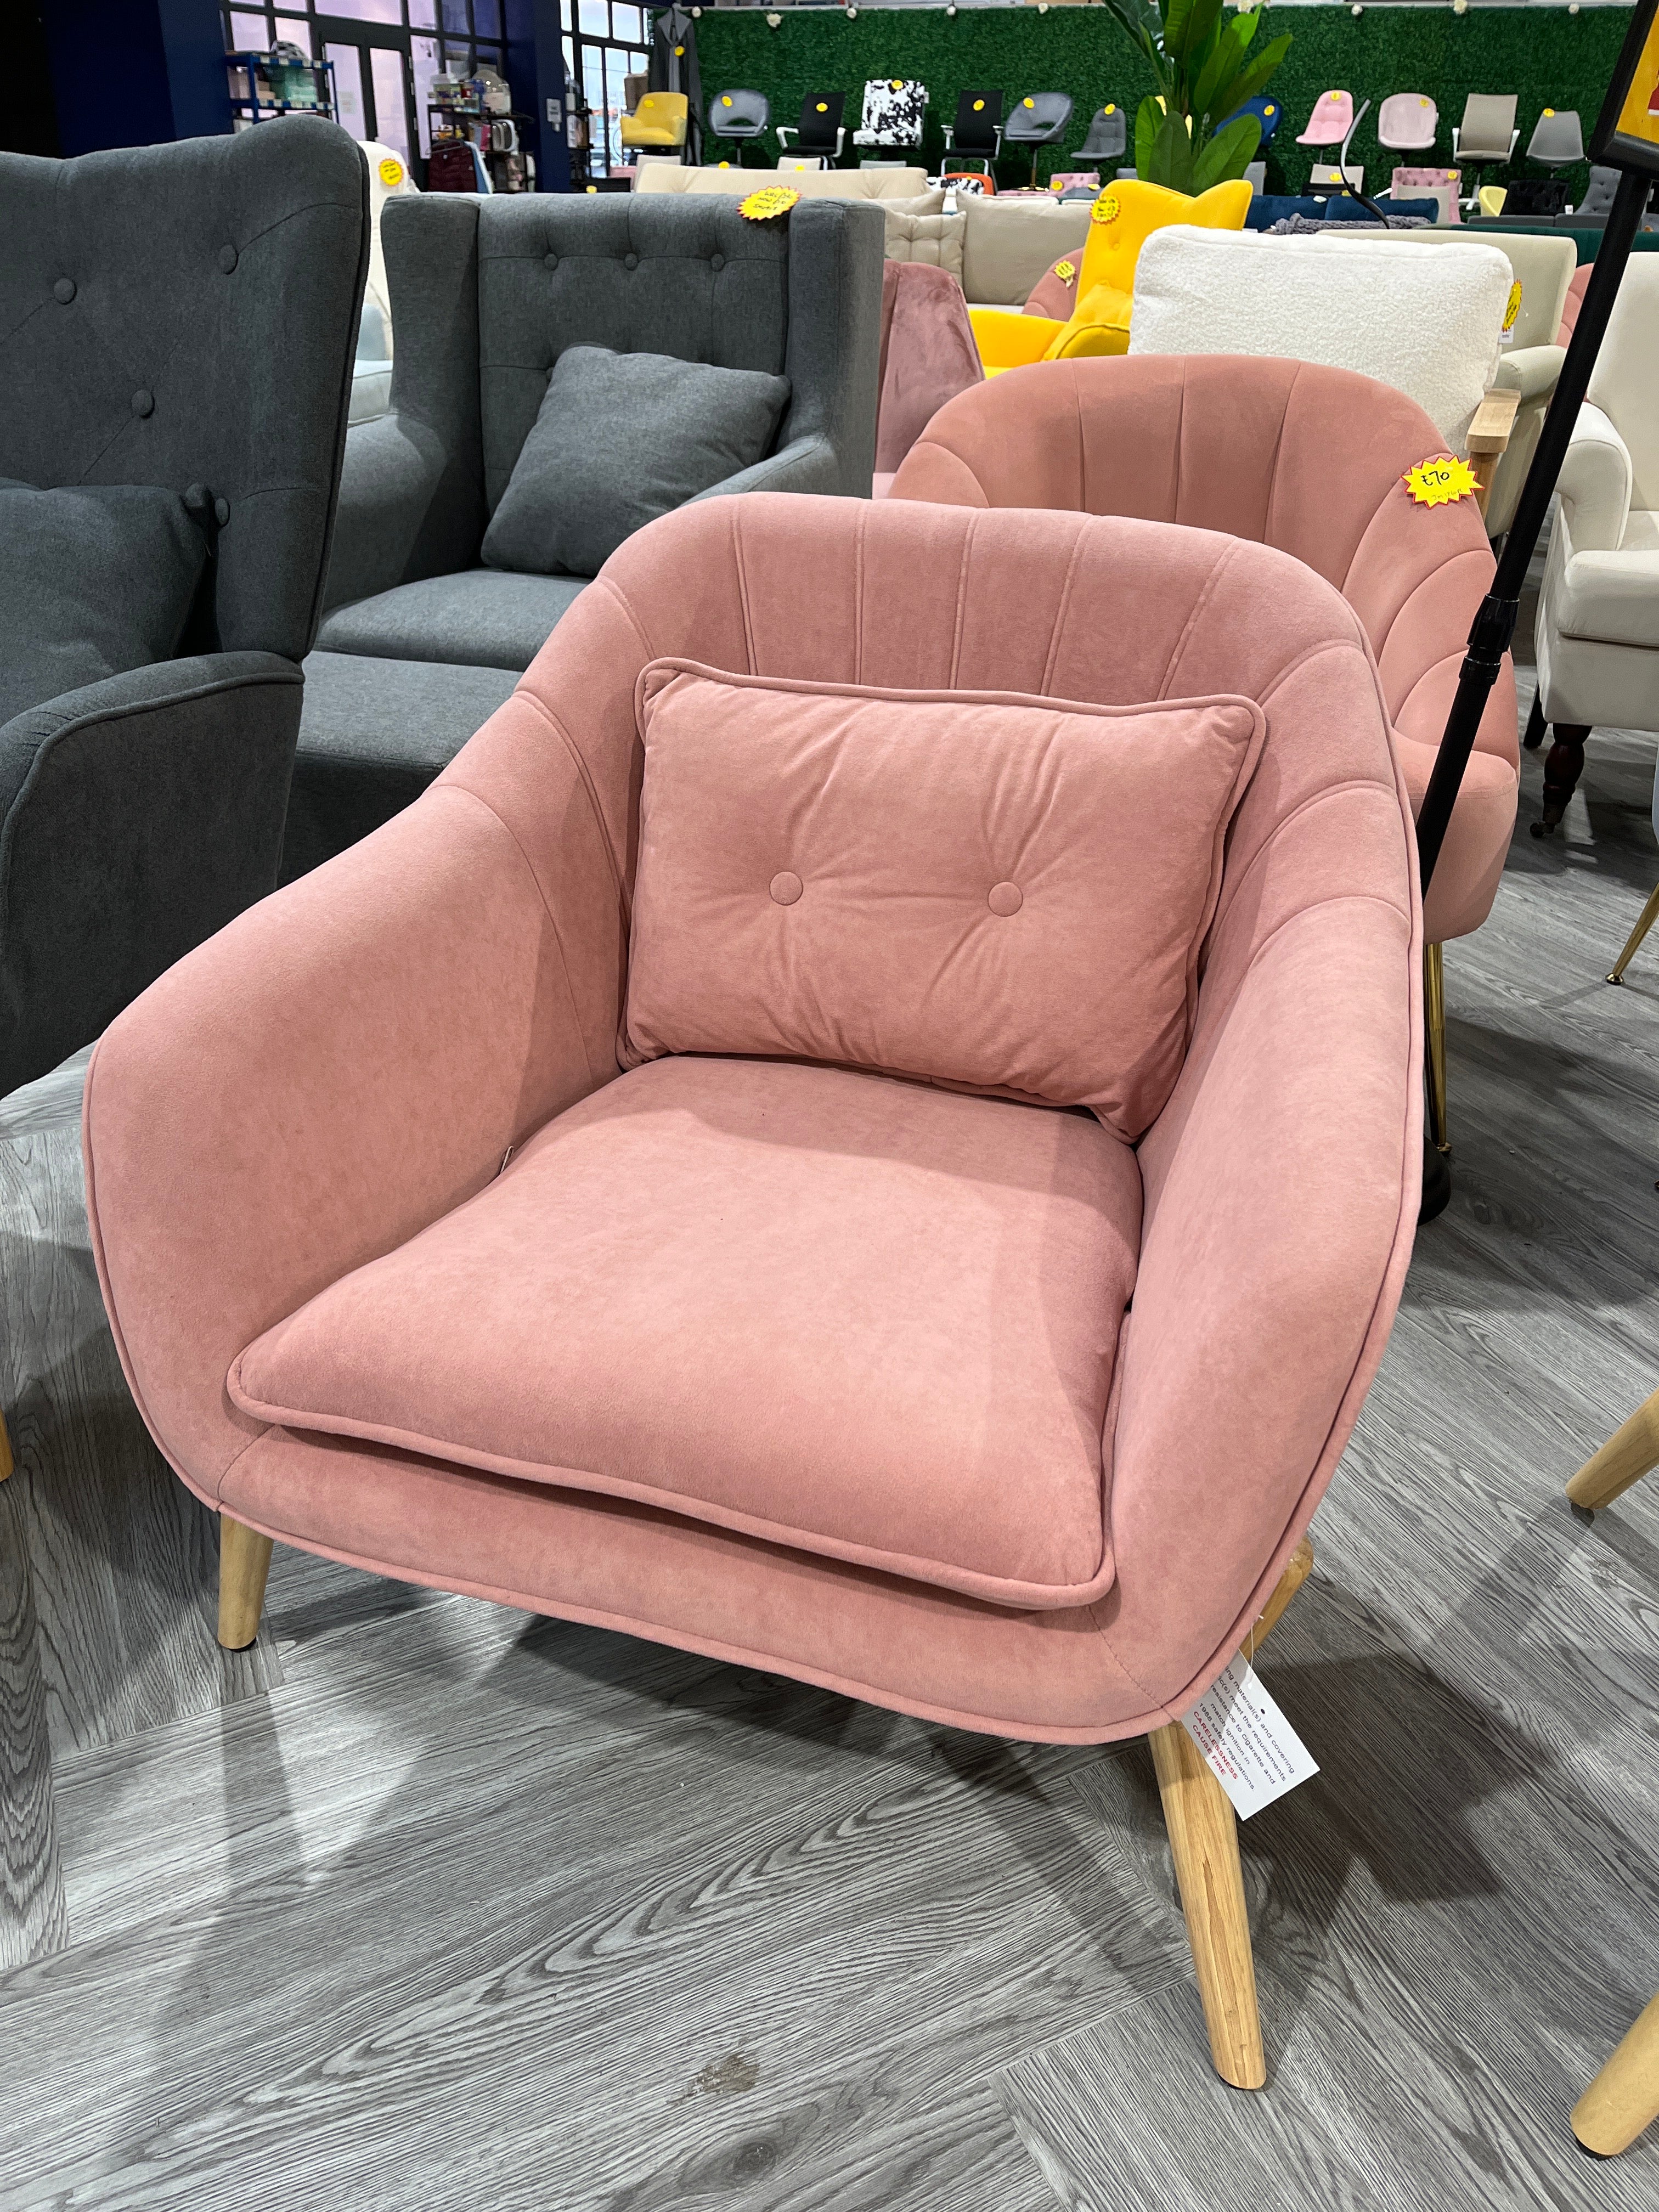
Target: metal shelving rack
(249, 106)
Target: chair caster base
(1437, 1182)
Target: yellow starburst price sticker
(392, 172)
(1105, 208)
(771, 200)
(1440, 480)
(1513, 306)
(1067, 271)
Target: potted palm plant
(1189, 134)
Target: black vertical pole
(1494, 626)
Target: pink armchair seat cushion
(859, 1316)
(341, 1069)
(927, 355)
(1007, 893)
(1300, 457)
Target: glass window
(349, 89)
(628, 22)
(391, 122)
(423, 55)
(423, 14)
(367, 11)
(455, 18)
(294, 31)
(249, 34)
(593, 19)
(486, 18)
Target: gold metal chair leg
(1629, 1452)
(244, 1563)
(1649, 915)
(1624, 2098)
(1434, 1014)
(5, 1450)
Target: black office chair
(820, 131)
(976, 134)
(739, 115)
(1039, 120)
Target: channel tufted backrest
(186, 314)
(665, 274)
(1307, 458)
(1067, 606)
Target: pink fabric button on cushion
(785, 887)
(923, 821)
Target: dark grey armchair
(421, 643)
(181, 316)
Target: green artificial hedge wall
(1546, 56)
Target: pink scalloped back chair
(423, 1253)
(928, 356)
(1309, 459)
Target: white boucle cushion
(1429, 323)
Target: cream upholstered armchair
(689, 1170)
(1597, 632)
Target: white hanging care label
(1245, 1742)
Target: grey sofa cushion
(482, 617)
(373, 735)
(620, 439)
(94, 580)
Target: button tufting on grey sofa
(486, 294)
(180, 316)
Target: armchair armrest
(1532, 371)
(141, 813)
(1595, 482)
(344, 1064)
(404, 510)
(807, 463)
(1489, 436)
(1282, 1184)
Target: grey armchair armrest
(141, 814)
(804, 464)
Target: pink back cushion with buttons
(992, 890)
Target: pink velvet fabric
(922, 882)
(927, 355)
(1307, 458)
(1573, 302)
(1053, 295)
(854, 1315)
(345, 1065)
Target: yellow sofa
(1121, 222)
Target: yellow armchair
(1123, 218)
(658, 120)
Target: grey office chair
(1108, 136)
(1486, 134)
(1558, 139)
(739, 115)
(1037, 121)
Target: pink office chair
(689, 1172)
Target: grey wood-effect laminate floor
(427, 1904)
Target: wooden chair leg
(1563, 764)
(5, 1450)
(1204, 1839)
(244, 1563)
(1434, 1015)
(1628, 1454)
(1624, 2098)
(1649, 915)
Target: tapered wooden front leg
(1204, 1839)
(1624, 2098)
(244, 1563)
(1563, 764)
(1629, 1452)
(5, 1450)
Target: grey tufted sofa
(420, 643)
(181, 316)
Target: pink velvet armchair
(1307, 458)
(438, 1237)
